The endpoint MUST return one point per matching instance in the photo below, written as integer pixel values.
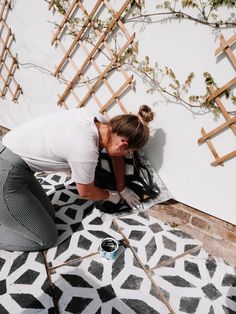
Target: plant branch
(180, 14)
(28, 65)
(158, 86)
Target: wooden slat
(222, 89)
(77, 38)
(138, 3)
(17, 93)
(120, 23)
(223, 110)
(116, 95)
(228, 51)
(102, 78)
(211, 147)
(5, 24)
(4, 81)
(231, 56)
(5, 85)
(217, 130)
(83, 79)
(94, 50)
(63, 103)
(73, 92)
(64, 20)
(225, 44)
(111, 53)
(6, 54)
(224, 158)
(8, 70)
(220, 104)
(106, 70)
(5, 44)
(50, 5)
(6, 50)
(9, 76)
(3, 9)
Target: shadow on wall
(154, 149)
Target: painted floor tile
(154, 241)
(53, 181)
(97, 285)
(71, 212)
(85, 239)
(23, 284)
(199, 283)
(163, 259)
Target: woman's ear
(123, 144)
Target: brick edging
(210, 230)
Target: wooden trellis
(215, 95)
(8, 63)
(91, 53)
(225, 47)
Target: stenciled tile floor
(161, 270)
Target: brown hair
(133, 127)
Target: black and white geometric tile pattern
(163, 270)
(199, 283)
(154, 241)
(24, 286)
(97, 285)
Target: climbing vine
(208, 12)
(162, 79)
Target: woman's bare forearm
(92, 192)
(118, 163)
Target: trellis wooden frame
(94, 50)
(225, 47)
(223, 110)
(215, 95)
(83, 79)
(102, 75)
(207, 136)
(9, 82)
(222, 89)
(90, 59)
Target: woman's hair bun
(146, 114)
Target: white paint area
(183, 165)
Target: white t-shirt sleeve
(82, 153)
(82, 172)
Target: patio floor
(162, 270)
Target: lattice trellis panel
(215, 95)
(91, 52)
(225, 46)
(8, 63)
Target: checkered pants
(26, 213)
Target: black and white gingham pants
(26, 213)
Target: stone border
(218, 236)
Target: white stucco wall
(183, 165)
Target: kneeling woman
(61, 141)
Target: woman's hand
(131, 198)
(114, 197)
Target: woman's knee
(13, 241)
(50, 237)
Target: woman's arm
(118, 163)
(92, 192)
(131, 198)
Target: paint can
(109, 248)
